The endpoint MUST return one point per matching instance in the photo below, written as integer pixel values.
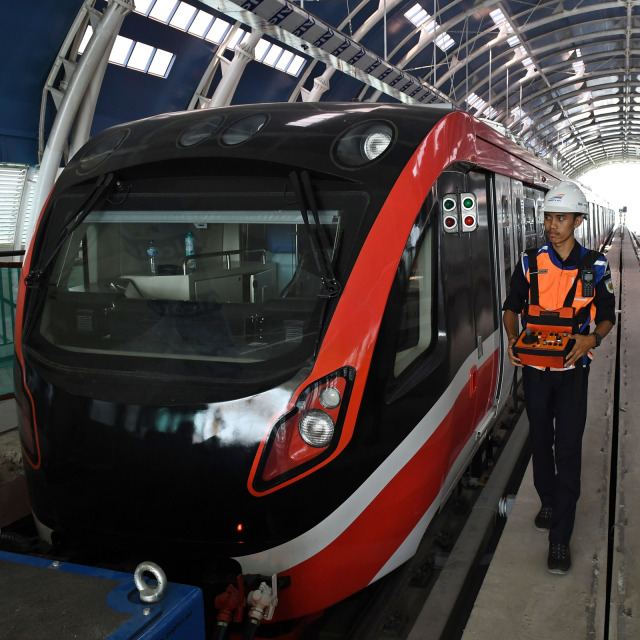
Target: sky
(617, 183)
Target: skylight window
(475, 101)
(578, 65)
(135, 55)
(160, 64)
(121, 50)
(199, 23)
(600, 112)
(163, 10)
(296, 66)
(580, 116)
(606, 102)
(218, 31)
(490, 112)
(261, 49)
(445, 41)
(183, 16)
(272, 56)
(421, 19)
(140, 56)
(143, 6)
(284, 60)
(514, 41)
(497, 16)
(236, 38)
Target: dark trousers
(557, 411)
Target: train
(266, 339)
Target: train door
(507, 256)
(470, 294)
(486, 293)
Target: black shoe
(544, 519)
(559, 560)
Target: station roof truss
(562, 76)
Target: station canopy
(561, 76)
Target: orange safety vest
(554, 284)
(558, 307)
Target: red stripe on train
(354, 558)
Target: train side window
(531, 239)
(506, 235)
(415, 331)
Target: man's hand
(580, 348)
(510, 320)
(512, 357)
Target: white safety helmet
(566, 197)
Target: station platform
(600, 597)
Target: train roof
(300, 134)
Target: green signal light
(467, 203)
(449, 204)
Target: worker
(556, 398)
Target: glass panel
(273, 55)
(506, 238)
(201, 23)
(142, 6)
(161, 63)
(218, 31)
(261, 49)
(9, 278)
(284, 60)
(121, 50)
(416, 330)
(182, 17)
(162, 10)
(140, 56)
(295, 66)
(203, 269)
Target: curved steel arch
(552, 55)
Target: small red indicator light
(469, 221)
(450, 222)
(239, 528)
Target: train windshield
(222, 272)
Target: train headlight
(364, 143)
(330, 398)
(242, 130)
(97, 153)
(375, 144)
(307, 436)
(199, 132)
(316, 428)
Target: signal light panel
(459, 212)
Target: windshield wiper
(99, 190)
(319, 241)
